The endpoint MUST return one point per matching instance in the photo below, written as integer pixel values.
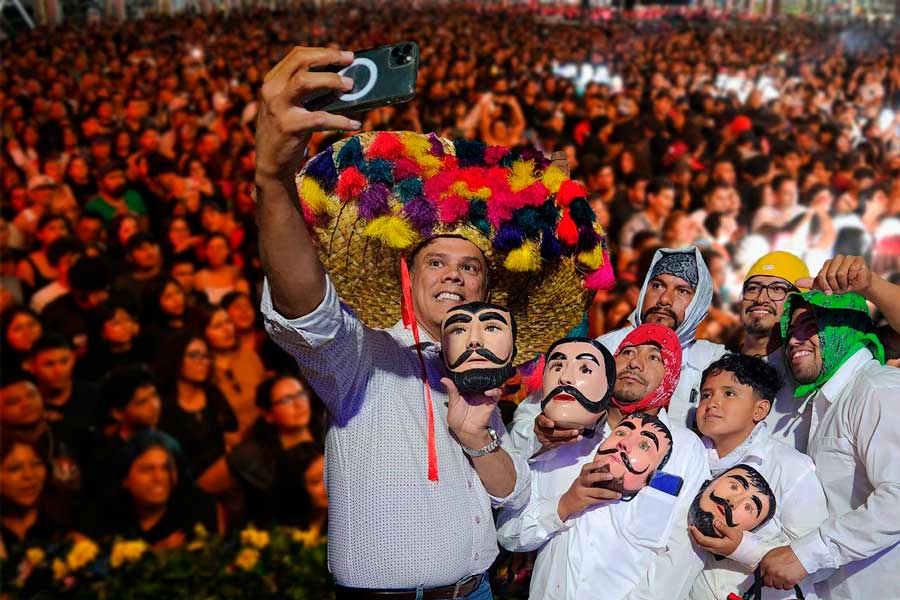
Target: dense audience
(135, 371)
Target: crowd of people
(140, 392)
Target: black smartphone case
(382, 76)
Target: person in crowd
(269, 466)
(219, 276)
(114, 339)
(21, 329)
(119, 230)
(72, 314)
(183, 268)
(242, 313)
(35, 269)
(89, 229)
(143, 263)
(836, 358)
(660, 200)
(61, 255)
(574, 523)
(165, 312)
(114, 197)
(194, 410)
(735, 394)
(153, 495)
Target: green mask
(845, 326)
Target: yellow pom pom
(463, 190)
(553, 178)
(522, 175)
(313, 196)
(419, 149)
(392, 230)
(592, 259)
(527, 257)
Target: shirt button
(477, 520)
(469, 483)
(476, 556)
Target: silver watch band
(493, 445)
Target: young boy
(736, 394)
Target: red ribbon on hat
(409, 321)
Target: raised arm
(296, 277)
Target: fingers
(704, 541)
(450, 387)
(305, 84)
(805, 282)
(303, 57)
(724, 531)
(302, 120)
(543, 422)
(837, 273)
(494, 393)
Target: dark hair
(89, 273)
(117, 301)
(48, 218)
(152, 312)
(231, 297)
(11, 376)
(91, 214)
(713, 221)
(63, 246)
(118, 387)
(50, 341)
(318, 417)
(658, 184)
(779, 180)
(751, 371)
(180, 258)
(10, 314)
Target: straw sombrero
(371, 198)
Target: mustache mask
(625, 460)
(482, 352)
(703, 520)
(592, 407)
(477, 381)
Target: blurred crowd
(137, 383)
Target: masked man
(603, 530)
(412, 471)
(854, 441)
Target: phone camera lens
(395, 51)
(407, 49)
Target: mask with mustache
(727, 499)
(579, 375)
(478, 346)
(638, 447)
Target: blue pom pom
(351, 154)
(482, 225)
(321, 168)
(549, 214)
(509, 236)
(551, 248)
(477, 209)
(581, 212)
(469, 152)
(409, 189)
(379, 170)
(529, 220)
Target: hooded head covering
(683, 265)
(703, 291)
(844, 327)
(663, 338)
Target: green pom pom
(409, 189)
(581, 212)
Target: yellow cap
(779, 264)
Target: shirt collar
(404, 334)
(751, 451)
(844, 375)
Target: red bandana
(667, 341)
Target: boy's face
(143, 410)
(728, 407)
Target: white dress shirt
(636, 549)
(799, 508)
(388, 525)
(855, 443)
(789, 418)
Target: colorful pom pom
(537, 157)
(477, 209)
(509, 236)
(529, 220)
(501, 207)
(551, 248)
(469, 152)
(494, 154)
(568, 191)
(313, 196)
(534, 194)
(566, 230)
(522, 175)
(350, 154)
(526, 257)
(549, 214)
(420, 212)
(392, 230)
(322, 169)
(461, 188)
(452, 208)
(587, 239)
(603, 278)
(405, 168)
(386, 145)
(553, 178)
(437, 148)
(379, 170)
(592, 259)
(351, 184)
(374, 201)
(409, 189)
(581, 211)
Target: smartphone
(381, 76)
(666, 482)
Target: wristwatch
(493, 445)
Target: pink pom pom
(603, 278)
(386, 145)
(501, 206)
(494, 154)
(534, 194)
(309, 216)
(436, 186)
(405, 168)
(535, 380)
(351, 184)
(452, 208)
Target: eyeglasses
(291, 399)
(776, 291)
(197, 355)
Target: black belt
(457, 590)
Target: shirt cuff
(750, 551)
(521, 492)
(813, 553)
(547, 515)
(315, 329)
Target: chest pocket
(649, 518)
(835, 459)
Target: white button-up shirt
(855, 443)
(636, 549)
(799, 508)
(388, 525)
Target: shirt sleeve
(329, 345)
(872, 526)
(520, 493)
(522, 437)
(530, 527)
